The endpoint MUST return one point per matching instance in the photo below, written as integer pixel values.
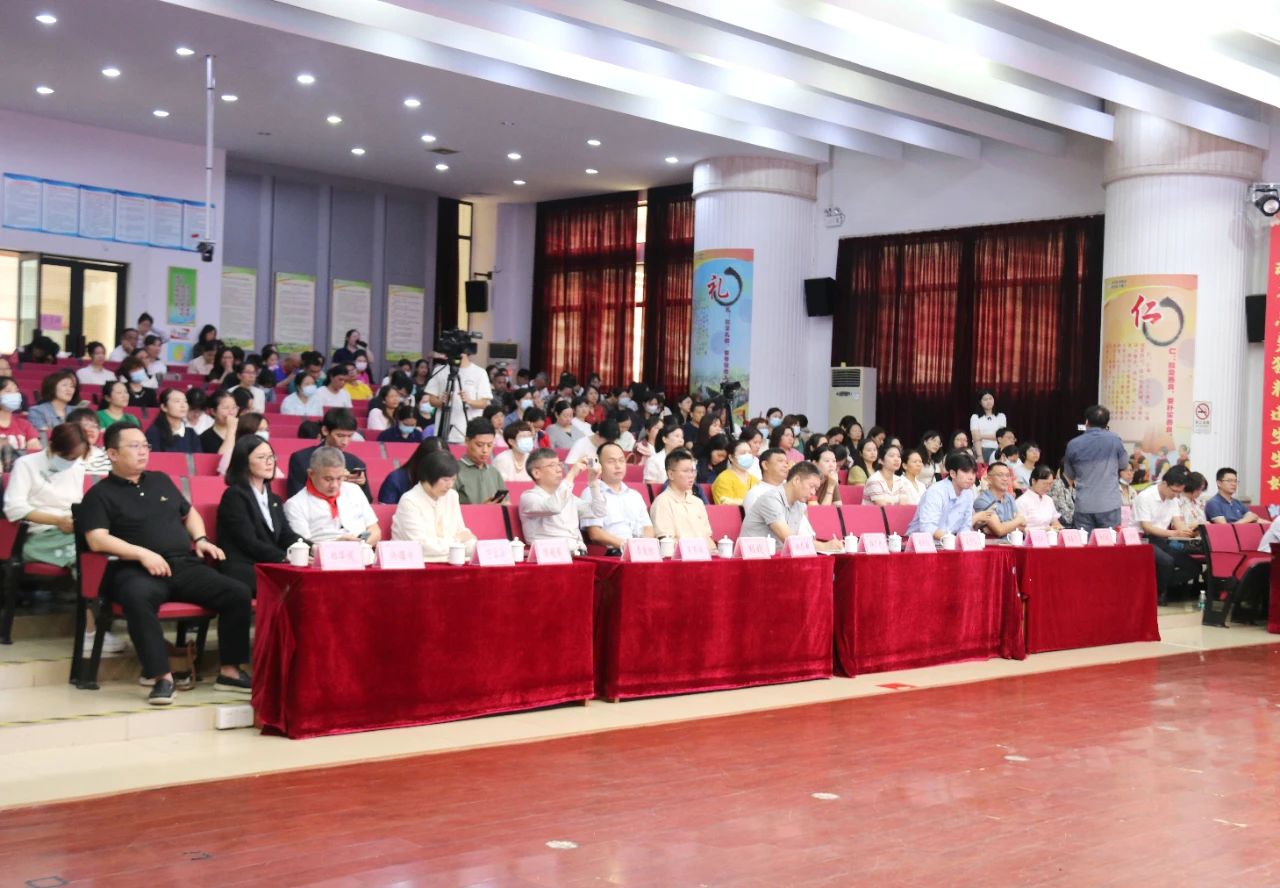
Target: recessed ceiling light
(513, 155)
(428, 138)
(357, 151)
(672, 159)
(442, 167)
(230, 97)
(44, 90)
(160, 112)
(517, 181)
(411, 102)
(110, 72)
(334, 119)
(594, 143)
(185, 51)
(590, 172)
(47, 18)
(306, 79)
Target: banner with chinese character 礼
(720, 350)
(1148, 358)
(1270, 475)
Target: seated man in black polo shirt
(144, 520)
(337, 430)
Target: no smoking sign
(1202, 413)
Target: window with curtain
(584, 287)
(1015, 308)
(668, 288)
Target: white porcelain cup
(851, 544)
(949, 541)
(667, 546)
(457, 554)
(725, 547)
(895, 543)
(299, 553)
(1015, 537)
(517, 550)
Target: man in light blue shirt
(947, 506)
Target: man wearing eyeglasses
(142, 519)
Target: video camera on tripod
(454, 343)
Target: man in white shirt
(774, 467)
(329, 508)
(1156, 512)
(473, 395)
(334, 393)
(128, 344)
(780, 512)
(155, 366)
(626, 516)
(550, 510)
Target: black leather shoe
(162, 693)
(241, 683)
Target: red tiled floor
(1155, 772)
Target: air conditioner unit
(853, 393)
(504, 351)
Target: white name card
(550, 552)
(921, 542)
(798, 546)
(970, 541)
(875, 544)
(1102, 536)
(493, 553)
(1129, 537)
(1037, 539)
(1072, 539)
(642, 550)
(399, 555)
(749, 548)
(339, 555)
(692, 550)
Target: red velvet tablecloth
(343, 651)
(904, 610)
(1273, 610)
(676, 627)
(1086, 597)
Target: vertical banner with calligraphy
(720, 350)
(1148, 355)
(1270, 474)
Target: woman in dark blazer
(244, 532)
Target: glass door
(80, 302)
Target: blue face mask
(524, 445)
(60, 464)
(525, 404)
(746, 460)
(138, 376)
(407, 429)
(775, 421)
(426, 409)
(11, 401)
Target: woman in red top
(17, 435)
(598, 412)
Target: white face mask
(362, 365)
(524, 445)
(308, 391)
(263, 434)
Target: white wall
(512, 309)
(54, 149)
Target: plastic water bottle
(1200, 604)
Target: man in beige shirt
(676, 512)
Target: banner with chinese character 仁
(1148, 355)
(721, 345)
(1270, 474)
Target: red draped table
(676, 627)
(1273, 610)
(904, 610)
(1088, 596)
(343, 651)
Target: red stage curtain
(1014, 308)
(668, 289)
(584, 287)
(447, 271)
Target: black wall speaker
(820, 296)
(477, 297)
(1255, 317)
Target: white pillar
(1176, 204)
(765, 205)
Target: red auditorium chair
(513, 520)
(863, 519)
(486, 521)
(851, 494)
(898, 518)
(515, 488)
(206, 489)
(825, 521)
(280, 486)
(400, 451)
(638, 486)
(287, 447)
(725, 521)
(209, 514)
(377, 471)
(12, 536)
(174, 465)
(366, 450)
(385, 513)
(206, 463)
(634, 473)
(282, 426)
(1249, 536)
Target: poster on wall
(721, 337)
(97, 213)
(349, 310)
(294, 317)
(1148, 355)
(181, 312)
(133, 218)
(166, 223)
(404, 322)
(1270, 474)
(60, 207)
(194, 224)
(236, 314)
(21, 202)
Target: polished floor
(1158, 771)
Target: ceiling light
(672, 159)
(110, 72)
(44, 90)
(513, 155)
(230, 97)
(358, 151)
(160, 112)
(411, 102)
(185, 51)
(306, 79)
(47, 18)
(428, 138)
(594, 143)
(442, 167)
(334, 119)
(517, 181)
(590, 172)
(1267, 199)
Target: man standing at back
(1093, 461)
